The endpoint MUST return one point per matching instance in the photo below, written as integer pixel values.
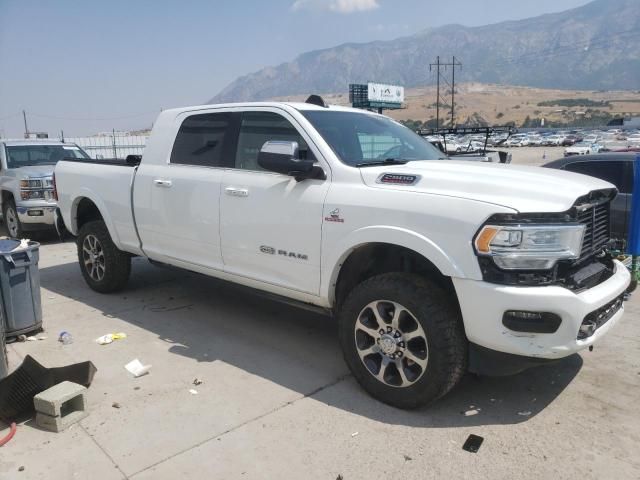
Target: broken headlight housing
(530, 246)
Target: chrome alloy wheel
(391, 343)
(12, 222)
(93, 256)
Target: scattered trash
(473, 443)
(22, 338)
(193, 391)
(42, 337)
(524, 413)
(471, 412)
(65, 338)
(21, 468)
(110, 337)
(136, 388)
(339, 477)
(355, 434)
(407, 458)
(136, 368)
(197, 381)
(115, 405)
(33, 338)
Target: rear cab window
(204, 140)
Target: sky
(86, 66)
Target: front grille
(598, 229)
(599, 317)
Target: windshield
(359, 139)
(28, 155)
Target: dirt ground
(277, 400)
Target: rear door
(183, 221)
(620, 173)
(271, 225)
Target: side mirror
(283, 157)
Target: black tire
(441, 321)
(9, 211)
(116, 263)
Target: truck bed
(109, 185)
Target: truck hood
(33, 171)
(525, 189)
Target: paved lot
(278, 402)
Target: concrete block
(60, 406)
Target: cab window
(257, 128)
(201, 140)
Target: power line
(93, 119)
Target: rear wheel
(104, 267)
(11, 220)
(403, 339)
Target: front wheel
(11, 220)
(403, 339)
(105, 268)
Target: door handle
(236, 192)
(162, 183)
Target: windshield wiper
(386, 161)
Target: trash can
(20, 287)
(4, 362)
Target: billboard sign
(379, 92)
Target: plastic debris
(471, 412)
(136, 368)
(65, 338)
(197, 381)
(355, 434)
(32, 338)
(473, 443)
(407, 458)
(193, 391)
(524, 413)
(115, 405)
(110, 337)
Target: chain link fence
(112, 144)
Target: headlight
(36, 188)
(529, 247)
(32, 183)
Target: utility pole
(26, 129)
(437, 90)
(438, 65)
(453, 89)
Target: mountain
(593, 47)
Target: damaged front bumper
(484, 305)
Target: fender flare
(83, 193)
(384, 234)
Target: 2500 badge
(284, 253)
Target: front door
(271, 224)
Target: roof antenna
(316, 100)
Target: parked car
(615, 168)
(26, 186)
(417, 255)
(582, 148)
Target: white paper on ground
(136, 368)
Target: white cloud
(337, 6)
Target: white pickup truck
(432, 266)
